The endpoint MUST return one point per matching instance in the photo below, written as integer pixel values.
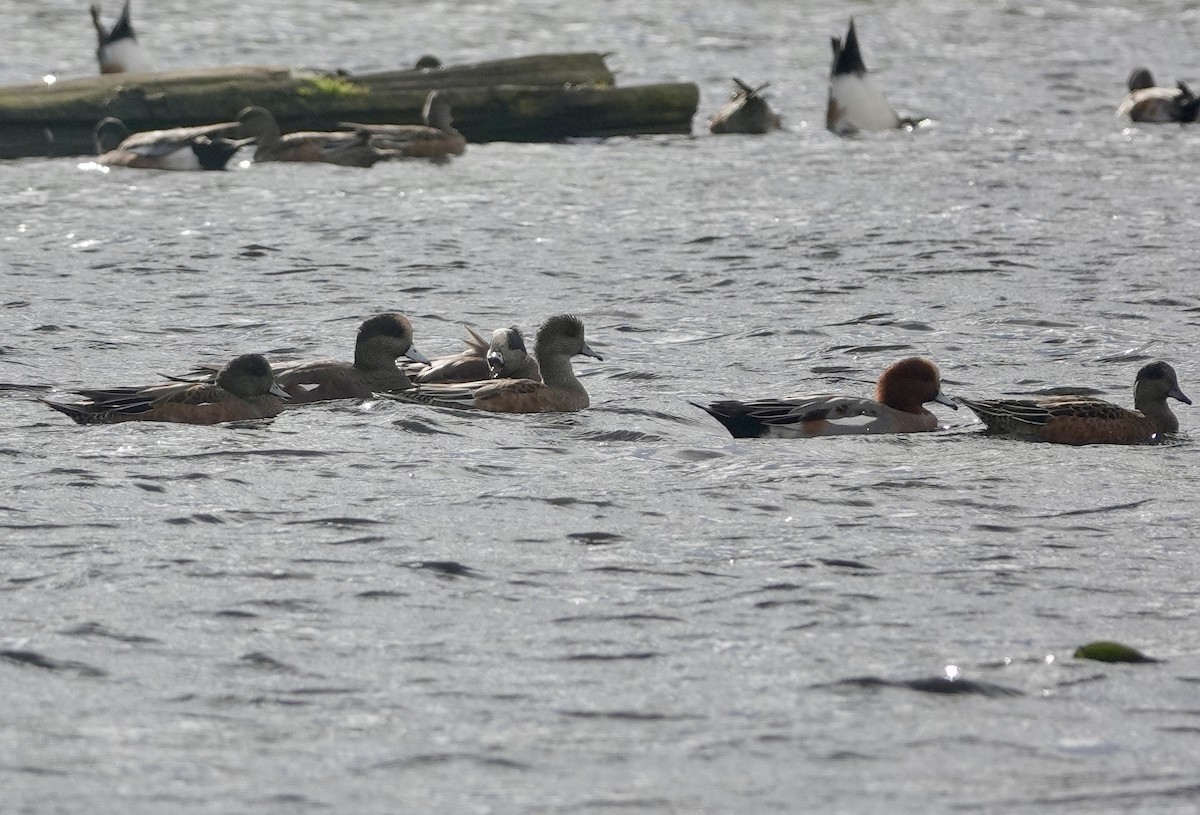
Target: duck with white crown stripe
(118, 50)
(855, 104)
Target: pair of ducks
(907, 386)
(250, 388)
(210, 147)
(855, 104)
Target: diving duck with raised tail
(118, 50)
(855, 104)
(745, 112)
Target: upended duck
(855, 104)
(745, 112)
(117, 48)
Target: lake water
(381, 608)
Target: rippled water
(391, 608)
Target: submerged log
(546, 97)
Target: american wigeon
(243, 389)
(348, 148)
(118, 50)
(1084, 420)
(435, 139)
(1147, 103)
(898, 407)
(855, 103)
(180, 148)
(745, 112)
(381, 341)
(504, 356)
(558, 339)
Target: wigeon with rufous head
(898, 407)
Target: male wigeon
(1083, 420)
(435, 139)
(180, 148)
(854, 102)
(118, 50)
(345, 147)
(745, 112)
(898, 407)
(558, 339)
(1147, 103)
(243, 389)
(505, 356)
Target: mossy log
(546, 97)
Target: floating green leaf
(1108, 651)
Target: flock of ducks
(499, 374)
(856, 104)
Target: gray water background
(384, 608)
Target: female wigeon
(180, 148)
(348, 148)
(504, 356)
(745, 112)
(381, 341)
(243, 389)
(1147, 103)
(118, 50)
(435, 139)
(1083, 420)
(558, 339)
(898, 407)
(854, 102)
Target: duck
(1085, 420)
(243, 389)
(380, 342)
(901, 393)
(118, 50)
(855, 104)
(559, 338)
(435, 139)
(504, 356)
(350, 148)
(1150, 104)
(180, 148)
(745, 112)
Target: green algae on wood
(544, 97)
(1108, 651)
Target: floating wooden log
(547, 97)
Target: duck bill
(275, 390)
(416, 356)
(495, 363)
(1176, 393)
(588, 352)
(946, 400)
